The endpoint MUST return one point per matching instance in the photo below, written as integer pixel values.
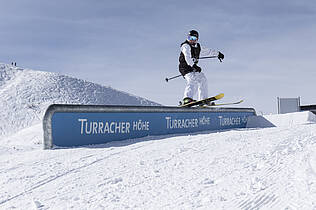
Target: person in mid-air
(191, 51)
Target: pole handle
(167, 79)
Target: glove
(196, 68)
(220, 55)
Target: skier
(191, 50)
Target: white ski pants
(196, 84)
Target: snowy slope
(270, 168)
(25, 94)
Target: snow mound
(25, 94)
(292, 119)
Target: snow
(264, 168)
(291, 119)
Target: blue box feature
(77, 125)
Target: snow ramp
(281, 120)
(78, 125)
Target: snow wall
(78, 125)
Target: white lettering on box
(229, 121)
(99, 127)
(181, 123)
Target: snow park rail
(79, 125)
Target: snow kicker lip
(78, 125)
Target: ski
(204, 101)
(230, 103)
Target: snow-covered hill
(25, 94)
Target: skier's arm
(186, 50)
(206, 52)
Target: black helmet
(194, 33)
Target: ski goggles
(192, 38)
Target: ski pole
(211, 57)
(167, 79)
(208, 57)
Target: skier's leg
(191, 86)
(202, 86)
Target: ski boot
(187, 100)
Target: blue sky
(133, 46)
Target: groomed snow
(266, 168)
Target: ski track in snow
(270, 168)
